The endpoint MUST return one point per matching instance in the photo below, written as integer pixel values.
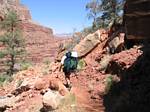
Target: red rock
(58, 86)
(53, 85)
(126, 58)
(40, 84)
(39, 39)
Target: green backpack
(70, 63)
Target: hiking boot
(69, 87)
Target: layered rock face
(22, 10)
(39, 39)
(137, 19)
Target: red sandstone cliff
(39, 39)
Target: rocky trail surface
(107, 83)
(33, 90)
(28, 97)
(41, 88)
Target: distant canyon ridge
(40, 41)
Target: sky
(63, 16)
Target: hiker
(69, 63)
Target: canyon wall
(40, 41)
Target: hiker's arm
(62, 62)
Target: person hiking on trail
(69, 63)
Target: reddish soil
(88, 86)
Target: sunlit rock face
(39, 39)
(22, 11)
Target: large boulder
(90, 42)
(58, 86)
(40, 84)
(6, 102)
(52, 99)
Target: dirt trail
(84, 96)
(84, 100)
(87, 98)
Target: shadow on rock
(132, 93)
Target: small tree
(112, 10)
(93, 8)
(12, 41)
(105, 12)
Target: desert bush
(81, 64)
(108, 83)
(25, 65)
(4, 78)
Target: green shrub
(109, 83)
(5, 78)
(81, 64)
(25, 65)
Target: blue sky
(63, 16)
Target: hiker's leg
(68, 81)
(76, 74)
(67, 78)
